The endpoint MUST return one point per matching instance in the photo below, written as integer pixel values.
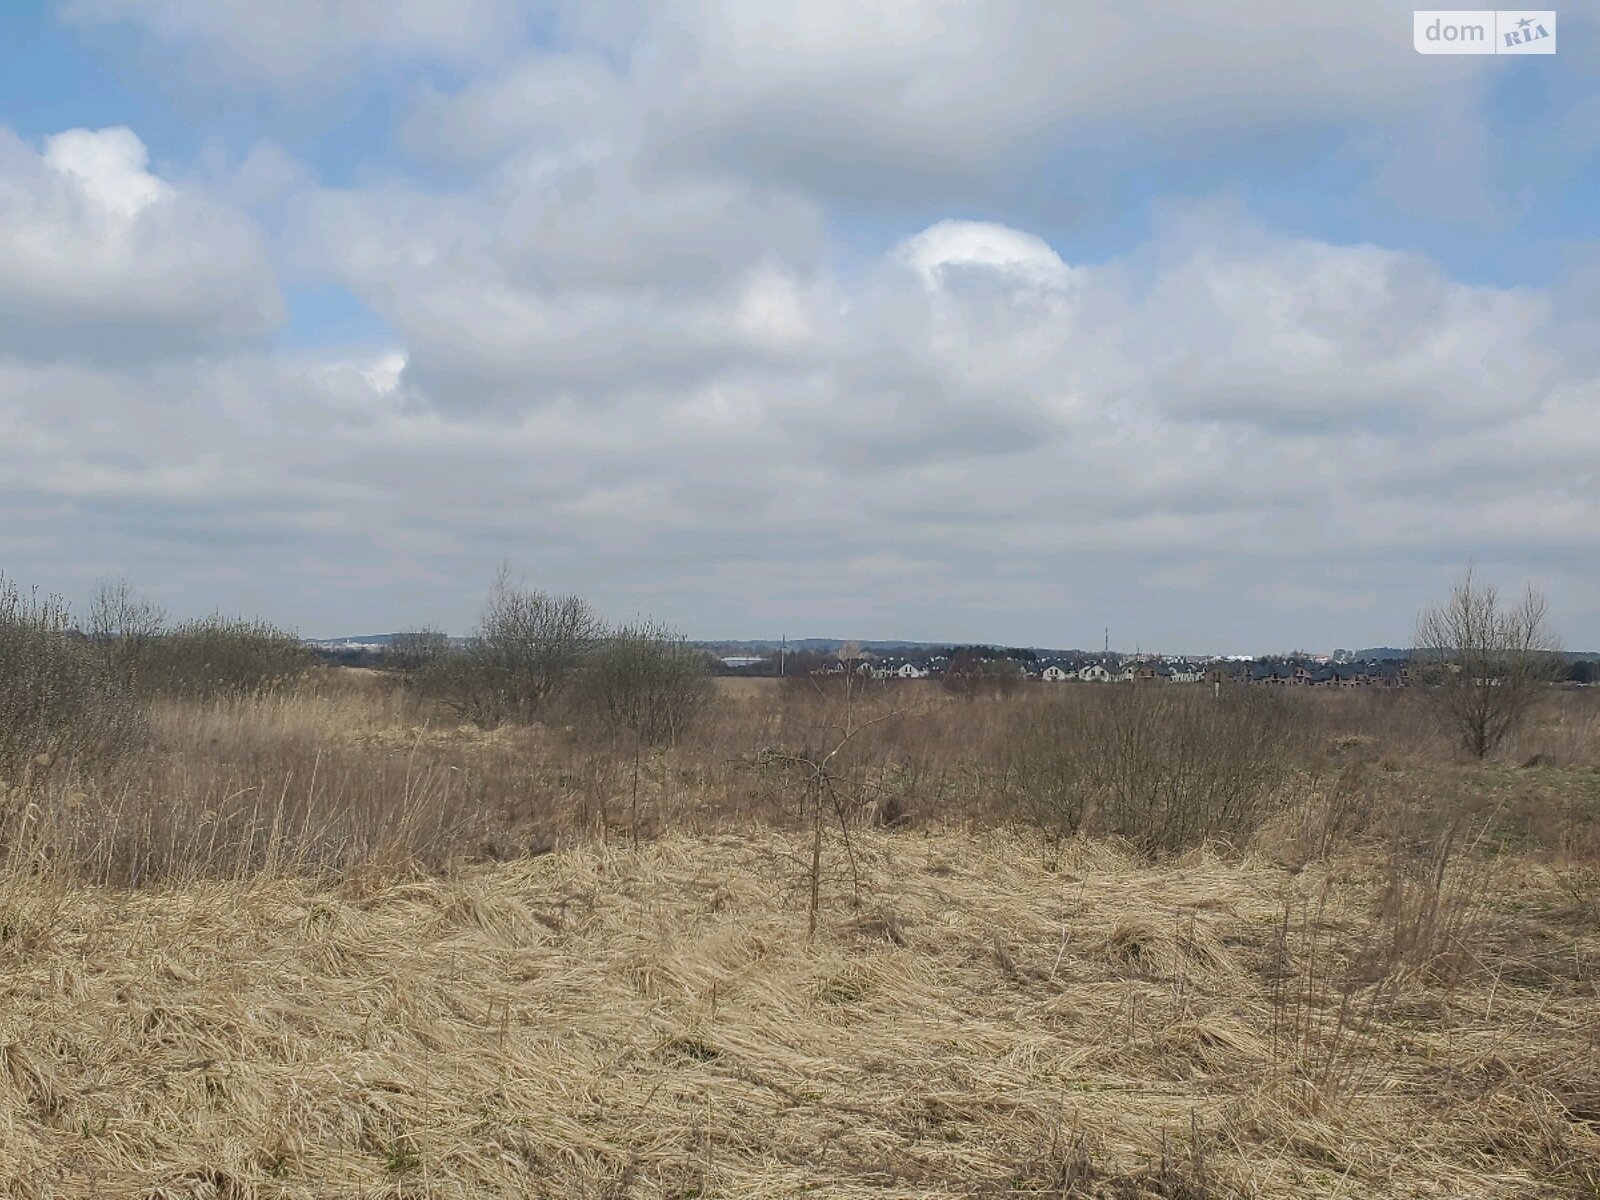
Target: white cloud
(887, 100)
(649, 342)
(906, 100)
(986, 245)
(991, 443)
(108, 168)
(575, 280)
(101, 259)
(299, 44)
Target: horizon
(1358, 653)
(1224, 324)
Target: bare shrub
(1324, 813)
(1484, 664)
(412, 651)
(525, 651)
(1050, 772)
(644, 681)
(124, 628)
(1326, 1019)
(218, 655)
(970, 675)
(1161, 767)
(57, 697)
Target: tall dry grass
(326, 940)
(345, 767)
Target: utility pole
(783, 650)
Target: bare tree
(124, 627)
(527, 647)
(1484, 663)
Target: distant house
(1054, 674)
(855, 660)
(911, 671)
(1095, 673)
(1340, 675)
(1295, 673)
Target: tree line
(79, 689)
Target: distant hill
(758, 646)
(1380, 654)
(832, 645)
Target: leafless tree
(830, 790)
(526, 649)
(1484, 663)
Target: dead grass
(605, 1022)
(321, 943)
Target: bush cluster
(58, 697)
(536, 656)
(1163, 767)
(77, 693)
(646, 681)
(217, 655)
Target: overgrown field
(323, 938)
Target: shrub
(646, 681)
(970, 675)
(124, 628)
(1049, 770)
(57, 696)
(414, 650)
(1163, 767)
(526, 649)
(217, 655)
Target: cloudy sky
(1235, 326)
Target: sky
(1231, 326)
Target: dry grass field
(323, 942)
